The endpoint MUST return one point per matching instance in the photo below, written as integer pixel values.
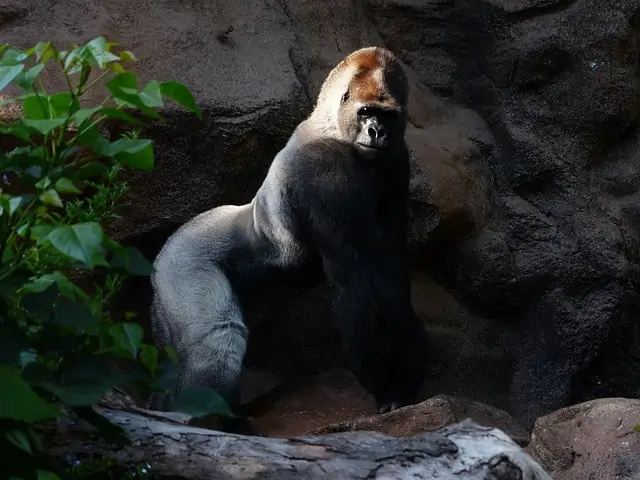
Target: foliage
(58, 267)
(107, 469)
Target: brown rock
(592, 440)
(430, 415)
(247, 83)
(450, 182)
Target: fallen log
(463, 450)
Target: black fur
(333, 205)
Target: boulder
(555, 259)
(598, 439)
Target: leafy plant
(58, 266)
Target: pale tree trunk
(464, 450)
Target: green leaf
(13, 56)
(149, 358)
(43, 183)
(116, 67)
(41, 49)
(84, 394)
(69, 313)
(39, 233)
(124, 88)
(82, 242)
(180, 94)
(35, 106)
(60, 104)
(65, 286)
(126, 338)
(51, 197)
(127, 56)
(12, 204)
(17, 129)
(28, 357)
(125, 81)
(8, 73)
(47, 475)
(26, 80)
(93, 139)
(199, 402)
(16, 202)
(85, 114)
(150, 94)
(45, 126)
(19, 402)
(90, 170)
(65, 185)
(132, 260)
(97, 52)
(120, 115)
(85, 72)
(94, 53)
(134, 152)
(19, 439)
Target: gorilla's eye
(345, 97)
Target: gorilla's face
(372, 115)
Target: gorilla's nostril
(372, 132)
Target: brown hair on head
(371, 65)
(376, 74)
(369, 58)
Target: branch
(463, 450)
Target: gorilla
(333, 205)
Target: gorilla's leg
(197, 312)
(216, 362)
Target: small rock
(430, 415)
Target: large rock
(246, 86)
(591, 440)
(526, 168)
(557, 83)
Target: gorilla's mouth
(369, 146)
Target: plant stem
(94, 81)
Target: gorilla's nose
(376, 131)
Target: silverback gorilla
(334, 201)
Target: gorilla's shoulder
(315, 153)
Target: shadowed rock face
(526, 169)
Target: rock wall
(526, 171)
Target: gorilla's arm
(363, 256)
(393, 212)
